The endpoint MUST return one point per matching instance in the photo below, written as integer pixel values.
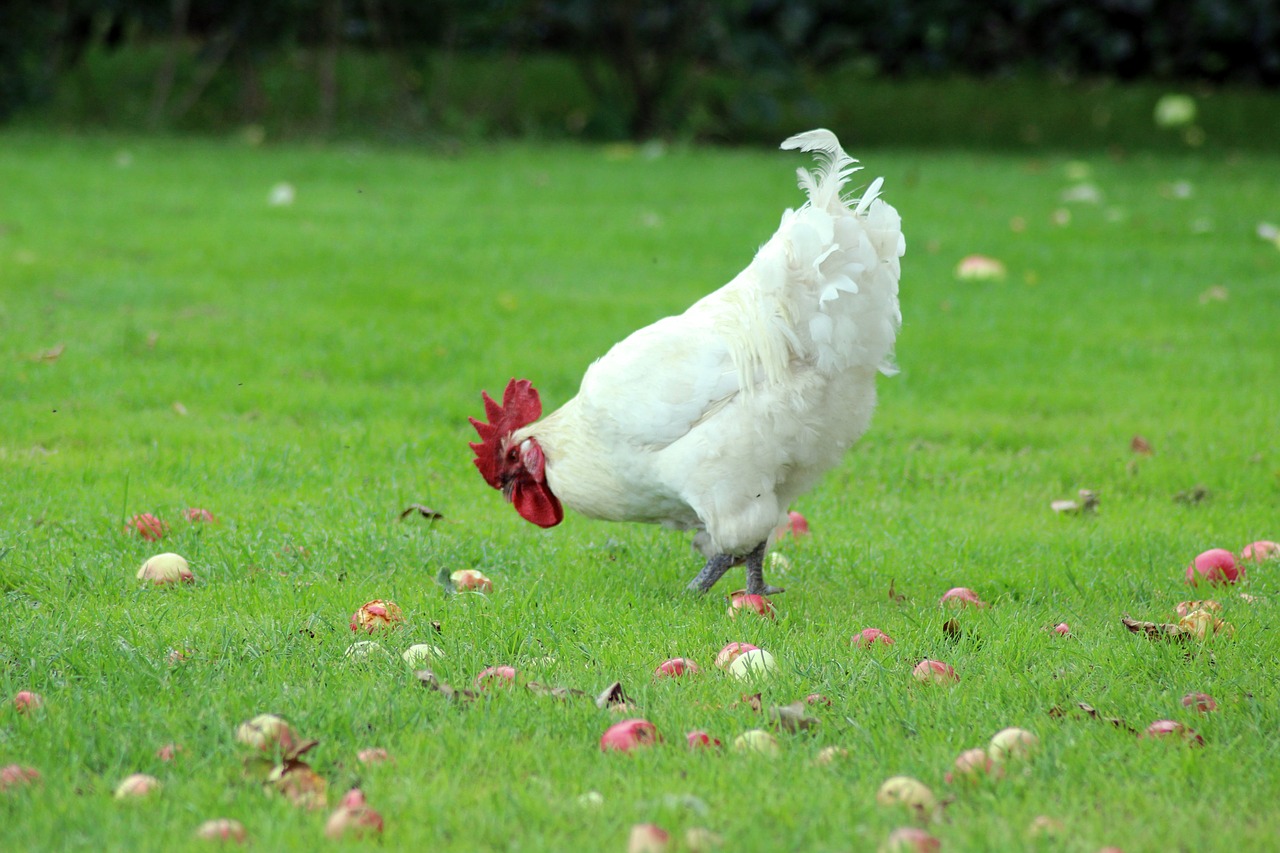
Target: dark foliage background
(645, 65)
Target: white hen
(716, 419)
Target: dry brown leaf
(1192, 496)
(751, 700)
(1058, 712)
(952, 629)
(50, 355)
(428, 679)
(792, 718)
(612, 695)
(1141, 446)
(893, 596)
(424, 511)
(299, 784)
(554, 692)
(1156, 630)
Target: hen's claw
(711, 572)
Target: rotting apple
(1172, 729)
(1261, 551)
(377, 615)
(648, 838)
(1202, 702)
(147, 526)
(907, 791)
(267, 732)
(353, 822)
(26, 701)
(701, 740)
(629, 734)
(972, 765)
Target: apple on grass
(701, 740)
(909, 792)
(1215, 566)
(1013, 744)
(496, 676)
(910, 839)
(868, 637)
(147, 526)
(741, 602)
(675, 668)
(934, 672)
(377, 615)
(222, 829)
(732, 652)
(628, 735)
(752, 664)
(165, 569)
(137, 785)
(960, 597)
(13, 776)
(471, 580)
(26, 701)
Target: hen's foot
(755, 574)
(711, 572)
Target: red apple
(137, 785)
(972, 765)
(196, 514)
(147, 526)
(26, 701)
(373, 755)
(648, 838)
(222, 829)
(628, 735)
(910, 839)
(1202, 702)
(868, 637)
(731, 652)
(496, 676)
(1172, 729)
(16, 776)
(1261, 551)
(353, 822)
(1216, 566)
(758, 604)
(675, 668)
(961, 596)
(701, 740)
(797, 524)
(377, 615)
(470, 580)
(1062, 629)
(169, 752)
(817, 699)
(934, 672)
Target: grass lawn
(169, 339)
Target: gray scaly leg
(755, 573)
(711, 572)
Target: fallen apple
(137, 785)
(740, 602)
(910, 839)
(909, 792)
(731, 652)
(972, 765)
(1172, 730)
(1215, 566)
(1261, 551)
(198, 515)
(1185, 608)
(420, 655)
(934, 672)
(470, 580)
(1043, 826)
(831, 754)
(377, 615)
(147, 526)
(797, 525)
(868, 637)
(169, 752)
(817, 699)
(374, 755)
(353, 822)
(753, 663)
(759, 741)
(960, 597)
(648, 838)
(979, 268)
(675, 668)
(13, 776)
(496, 676)
(222, 829)
(699, 839)
(701, 740)
(365, 650)
(353, 798)
(1013, 744)
(26, 701)
(628, 735)
(166, 568)
(267, 732)
(1202, 702)
(1062, 629)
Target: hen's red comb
(520, 406)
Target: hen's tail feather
(823, 185)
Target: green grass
(326, 355)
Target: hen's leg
(755, 573)
(711, 572)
